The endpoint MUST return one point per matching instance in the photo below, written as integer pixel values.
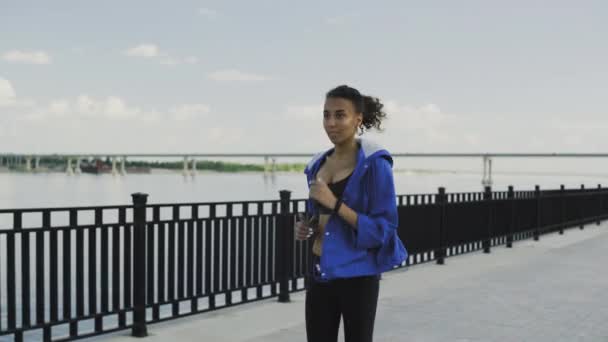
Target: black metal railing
(68, 273)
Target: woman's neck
(346, 150)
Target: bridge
(31, 162)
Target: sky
(250, 76)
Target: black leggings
(355, 299)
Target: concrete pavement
(555, 289)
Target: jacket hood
(368, 151)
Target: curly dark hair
(369, 106)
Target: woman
(352, 198)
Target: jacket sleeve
(375, 226)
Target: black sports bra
(338, 189)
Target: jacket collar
(368, 151)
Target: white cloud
(169, 61)
(426, 126)
(341, 19)
(7, 93)
(426, 117)
(236, 75)
(111, 108)
(207, 12)
(304, 112)
(59, 107)
(83, 106)
(27, 57)
(189, 111)
(472, 139)
(143, 50)
(116, 108)
(191, 60)
(576, 132)
(413, 128)
(172, 61)
(226, 136)
(153, 52)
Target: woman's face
(340, 119)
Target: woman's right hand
(302, 230)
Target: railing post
(538, 213)
(599, 204)
(562, 193)
(139, 265)
(581, 206)
(283, 247)
(440, 200)
(487, 196)
(603, 209)
(511, 226)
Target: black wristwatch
(337, 206)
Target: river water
(45, 190)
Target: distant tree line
(53, 162)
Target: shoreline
(403, 171)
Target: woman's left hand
(320, 192)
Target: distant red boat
(98, 167)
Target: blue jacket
(374, 247)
